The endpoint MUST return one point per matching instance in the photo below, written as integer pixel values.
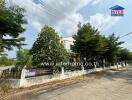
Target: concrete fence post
(23, 79)
(117, 65)
(123, 63)
(62, 71)
(0, 73)
(83, 68)
(95, 66)
(23, 73)
(10, 70)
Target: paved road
(115, 85)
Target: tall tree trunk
(103, 62)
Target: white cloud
(70, 26)
(96, 2)
(61, 14)
(103, 22)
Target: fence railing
(13, 73)
(16, 73)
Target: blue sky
(64, 15)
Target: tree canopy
(2, 4)
(124, 55)
(47, 48)
(23, 58)
(5, 61)
(89, 43)
(113, 45)
(11, 25)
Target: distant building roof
(117, 7)
(67, 39)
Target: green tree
(47, 48)
(93, 46)
(5, 61)
(23, 58)
(124, 55)
(88, 42)
(11, 25)
(113, 47)
(2, 3)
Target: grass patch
(4, 89)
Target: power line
(126, 35)
(52, 10)
(43, 3)
(49, 10)
(44, 9)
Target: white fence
(26, 82)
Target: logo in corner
(117, 11)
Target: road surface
(115, 85)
